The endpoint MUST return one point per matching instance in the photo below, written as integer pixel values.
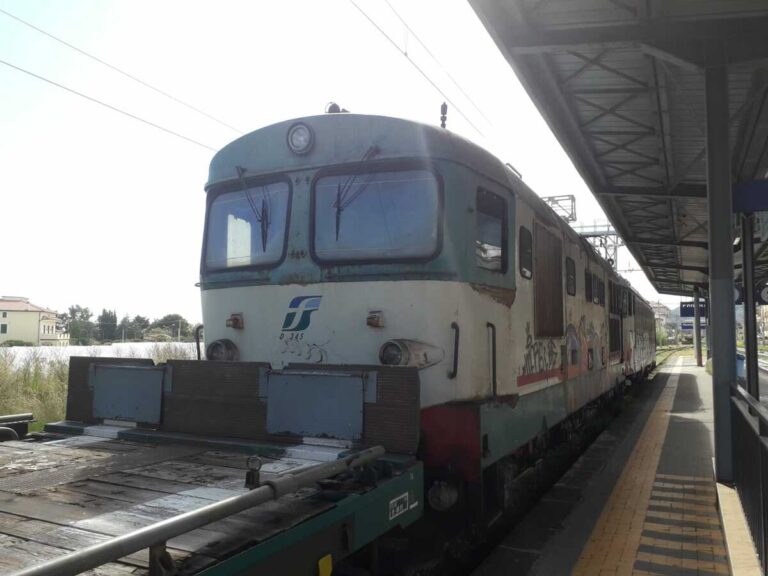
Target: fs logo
(299, 312)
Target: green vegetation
(37, 382)
(664, 353)
(83, 331)
(661, 337)
(11, 343)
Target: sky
(105, 211)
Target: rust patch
(297, 254)
(504, 296)
(300, 279)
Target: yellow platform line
(612, 546)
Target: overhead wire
(415, 65)
(437, 61)
(113, 108)
(123, 72)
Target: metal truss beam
(682, 191)
(667, 242)
(691, 41)
(702, 269)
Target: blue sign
(751, 196)
(687, 309)
(689, 325)
(299, 313)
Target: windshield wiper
(341, 193)
(262, 217)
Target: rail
(156, 535)
(749, 420)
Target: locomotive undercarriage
(452, 541)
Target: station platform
(642, 499)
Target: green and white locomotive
(344, 240)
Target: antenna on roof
(514, 170)
(443, 114)
(333, 108)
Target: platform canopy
(621, 84)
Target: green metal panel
(508, 427)
(365, 517)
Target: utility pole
(178, 336)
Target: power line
(119, 71)
(440, 64)
(113, 108)
(424, 74)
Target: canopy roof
(621, 84)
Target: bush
(11, 343)
(34, 384)
(36, 381)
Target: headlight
(393, 353)
(300, 138)
(222, 351)
(403, 352)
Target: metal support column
(750, 320)
(697, 326)
(722, 324)
(707, 304)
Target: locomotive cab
(343, 240)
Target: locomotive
(396, 326)
(340, 245)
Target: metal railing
(762, 359)
(156, 535)
(749, 421)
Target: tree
(170, 323)
(107, 322)
(78, 322)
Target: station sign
(761, 296)
(687, 309)
(689, 325)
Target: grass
(664, 353)
(37, 382)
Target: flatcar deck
(71, 493)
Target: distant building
(661, 313)
(24, 321)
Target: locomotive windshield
(376, 216)
(247, 227)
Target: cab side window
(525, 243)
(491, 231)
(570, 276)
